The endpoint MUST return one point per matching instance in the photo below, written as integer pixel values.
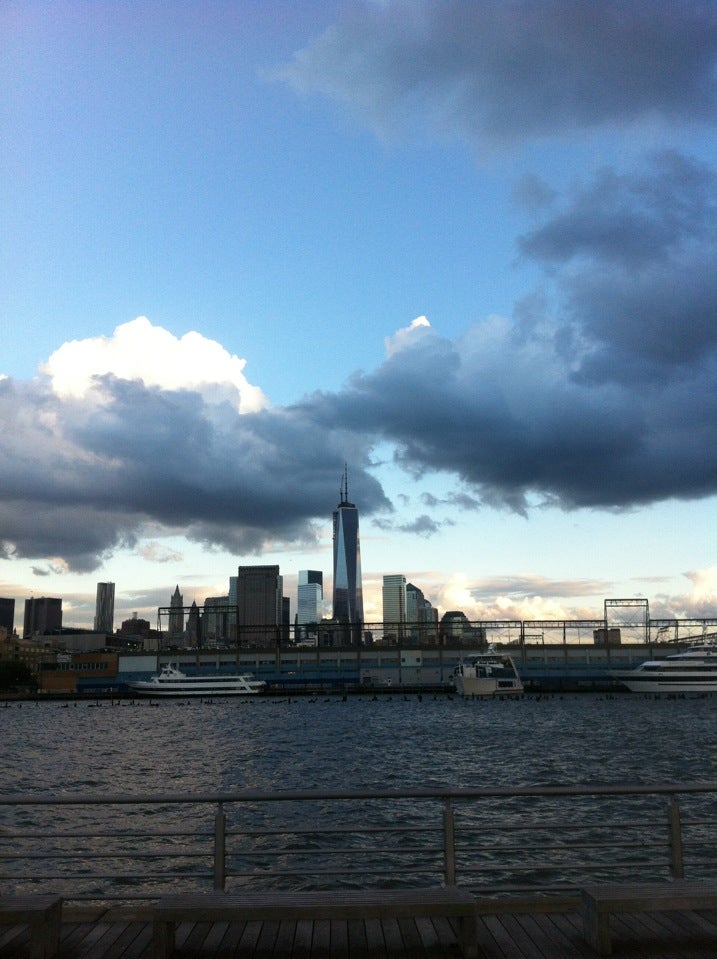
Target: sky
(465, 248)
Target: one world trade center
(348, 592)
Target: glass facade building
(348, 591)
(105, 608)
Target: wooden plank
(265, 943)
(249, 937)
(302, 939)
(229, 945)
(339, 937)
(392, 935)
(321, 939)
(285, 938)
(412, 942)
(375, 939)
(503, 939)
(357, 940)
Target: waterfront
(150, 779)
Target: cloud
(152, 355)
(407, 336)
(422, 525)
(602, 390)
(84, 475)
(634, 261)
(498, 72)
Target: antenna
(345, 485)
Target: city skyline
(466, 248)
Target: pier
(533, 928)
(524, 854)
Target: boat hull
(481, 686)
(204, 690)
(650, 684)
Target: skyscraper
(176, 615)
(309, 596)
(105, 608)
(259, 605)
(394, 606)
(348, 591)
(42, 616)
(7, 614)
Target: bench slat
(295, 906)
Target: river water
(329, 743)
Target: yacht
(487, 674)
(692, 671)
(171, 681)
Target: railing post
(220, 828)
(674, 828)
(449, 844)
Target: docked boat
(487, 674)
(171, 681)
(692, 671)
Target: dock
(531, 928)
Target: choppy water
(392, 742)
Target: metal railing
(543, 838)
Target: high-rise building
(42, 616)
(259, 605)
(215, 619)
(176, 614)
(394, 606)
(7, 614)
(348, 591)
(421, 616)
(309, 596)
(105, 608)
(194, 632)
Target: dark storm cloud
(603, 391)
(504, 70)
(634, 260)
(80, 478)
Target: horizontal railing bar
(532, 847)
(260, 796)
(153, 834)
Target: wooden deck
(507, 929)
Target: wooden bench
(444, 901)
(43, 914)
(598, 902)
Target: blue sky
(467, 248)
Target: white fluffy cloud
(407, 336)
(140, 351)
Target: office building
(421, 616)
(309, 596)
(259, 605)
(7, 615)
(215, 619)
(176, 615)
(348, 591)
(394, 606)
(42, 616)
(105, 608)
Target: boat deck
(536, 929)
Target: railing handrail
(458, 834)
(301, 795)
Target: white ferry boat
(171, 681)
(487, 674)
(691, 671)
